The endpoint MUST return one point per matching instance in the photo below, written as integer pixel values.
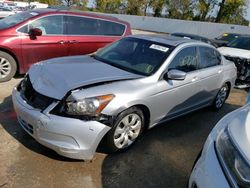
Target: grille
(32, 97)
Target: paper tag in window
(158, 47)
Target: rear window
(15, 19)
(89, 26)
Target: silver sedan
(71, 104)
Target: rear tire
(127, 128)
(221, 97)
(8, 66)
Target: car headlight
(88, 106)
(233, 162)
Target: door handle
(194, 79)
(73, 41)
(220, 71)
(61, 42)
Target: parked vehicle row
(72, 104)
(36, 35)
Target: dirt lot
(163, 157)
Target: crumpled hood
(55, 77)
(239, 129)
(234, 52)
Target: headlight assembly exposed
(232, 161)
(88, 106)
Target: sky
(91, 4)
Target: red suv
(36, 35)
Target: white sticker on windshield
(34, 13)
(158, 47)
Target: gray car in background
(71, 104)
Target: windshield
(241, 42)
(227, 37)
(15, 19)
(135, 55)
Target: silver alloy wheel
(5, 67)
(127, 130)
(221, 97)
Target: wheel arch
(228, 83)
(145, 110)
(14, 56)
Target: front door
(52, 43)
(175, 97)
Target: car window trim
(65, 26)
(44, 16)
(125, 29)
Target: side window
(185, 60)
(90, 26)
(24, 29)
(209, 57)
(110, 28)
(50, 25)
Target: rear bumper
(69, 137)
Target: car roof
(73, 11)
(189, 35)
(166, 39)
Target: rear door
(85, 35)
(211, 72)
(51, 44)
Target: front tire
(8, 67)
(126, 130)
(221, 97)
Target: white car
(238, 51)
(225, 158)
(4, 12)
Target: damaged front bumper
(243, 71)
(69, 137)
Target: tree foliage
(232, 11)
(205, 9)
(179, 9)
(80, 4)
(109, 6)
(224, 11)
(157, 6)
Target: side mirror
(35, 32)
(175, 75)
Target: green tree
(180, 9)
(135, 7)
(232, 11)
(157, 6)
(204, 9)
(51, 2)
(109, 6)
(80, 4)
